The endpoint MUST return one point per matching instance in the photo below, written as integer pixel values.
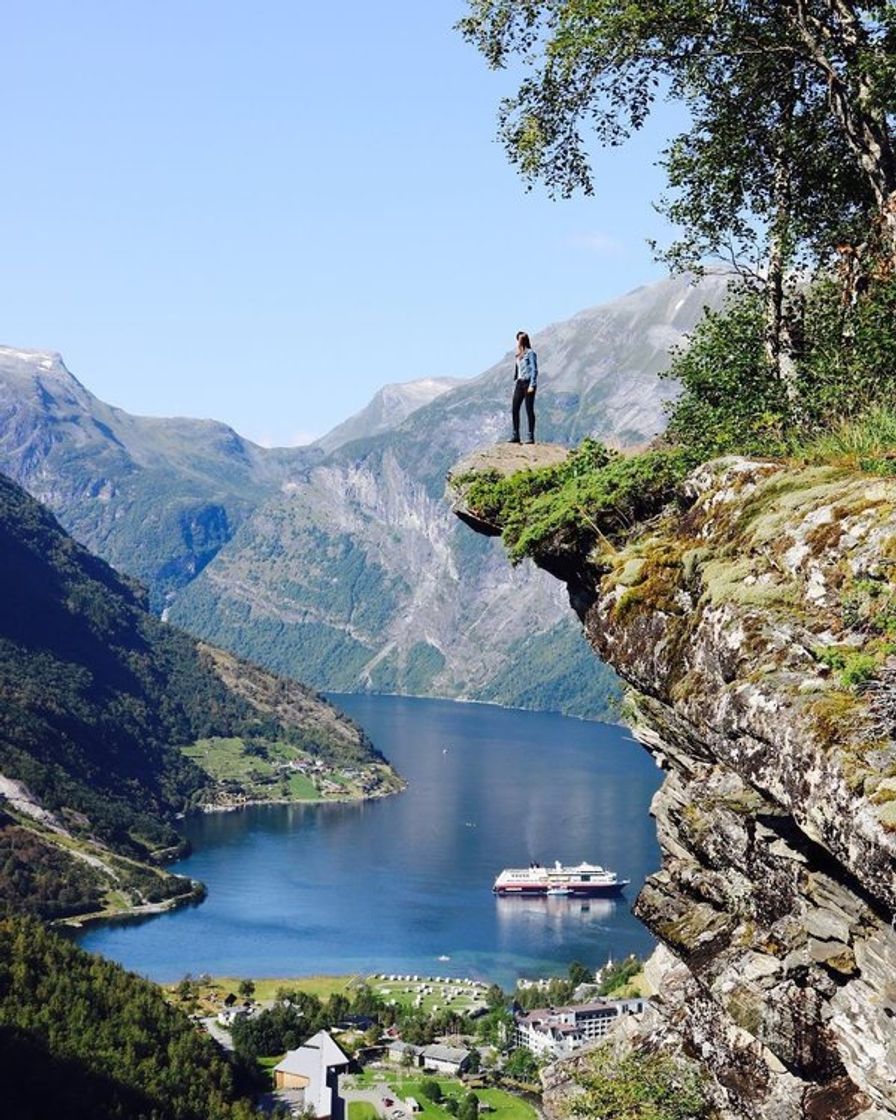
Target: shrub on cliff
(638, 1086)
(843, 363)
(730, 399)
(594, 492)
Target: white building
(227, 1016)
(308, 1078)
(399, 1051)
(559, 1031)
(445, 1059)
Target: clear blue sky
(263, 212)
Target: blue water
(392, 885)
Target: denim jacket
(527, 368)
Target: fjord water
(399, 884)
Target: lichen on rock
(754, 621)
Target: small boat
(443, 958)
(559, 890)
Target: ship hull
(574, 890)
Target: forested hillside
(98, 702)
(83, 1039)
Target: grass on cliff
(601, 494)
(594, 493)
(867, 443)
(638, 1084)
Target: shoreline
(472, 700)
(207, 810)
(110, 933)
(198, 891)
(196, 895)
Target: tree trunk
(776, 338)
(851, 98)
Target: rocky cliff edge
(755, 624)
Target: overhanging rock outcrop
(753, 623)
(504, 459)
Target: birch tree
(791, 148)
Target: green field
(302, 788)
(470, 995)
(361, 1110)
(506, 1106)
(216, 988)
(261, 776)
(324, 986)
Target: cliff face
(754, 625)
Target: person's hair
(523, 339)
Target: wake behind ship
(584, 879)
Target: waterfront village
(244, 774)
(390, 1046)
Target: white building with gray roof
(308, 1078)
(445, 1059)
(560, 1031)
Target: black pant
(521, 393)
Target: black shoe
(531, 439)
(515, 439)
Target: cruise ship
(583, 879)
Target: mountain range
(387, 409)
(340, 563)
(155, 497)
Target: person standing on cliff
(525, 381)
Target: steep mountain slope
(753, 622)
(339, 578)
(155, 497)
(100, 703)
(357, 575)
(390, 406)
(83, 1039)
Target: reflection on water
(396, 885)
(555, 922)
(556, 913)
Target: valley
(339, 563)
(364, 753)
(101, 702)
